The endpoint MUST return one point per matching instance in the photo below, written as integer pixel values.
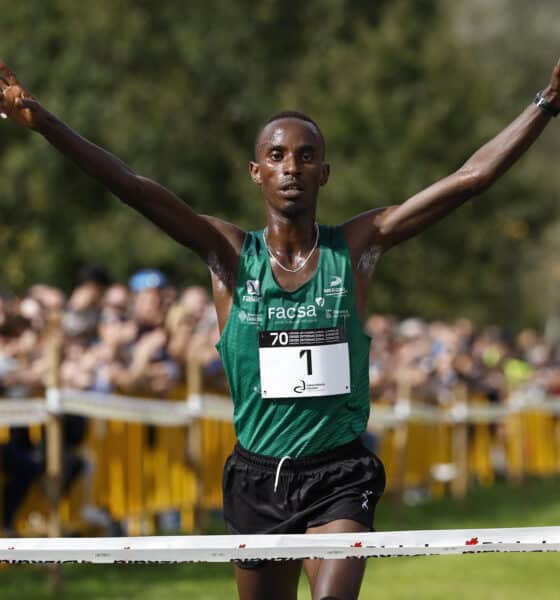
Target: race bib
(305, 363)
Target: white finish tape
(225, 548)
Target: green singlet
(297, 362)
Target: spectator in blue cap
(147, 278)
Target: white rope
(225, 548)
(22, 413)
(211, 406)
(385, 416)
(124, 408)
(150, 411)
(145, 410)
(155, 411)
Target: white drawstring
(277, 478)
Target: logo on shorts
(365, 499)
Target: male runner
(291, 301)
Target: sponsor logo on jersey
(253, 287)
(335, 313)
(320, 301)
(335, 289)
(291, 313)
(249, 318)
(336, 280)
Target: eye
(307, 155)
(275, 155)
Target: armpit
(223, 276)
(369, 258)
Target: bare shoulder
(235, 235)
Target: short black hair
(290, 114)
(93, 274)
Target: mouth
(291, 189)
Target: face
(117, 297)
(290, 166)
(147, 307)
(114, 328)
(195, 301)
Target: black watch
(545, 106)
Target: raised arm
(383, 228)
(215, 242)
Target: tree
(178, 91)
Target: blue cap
(147, 278)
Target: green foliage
(178, 91)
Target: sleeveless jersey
(297, 362)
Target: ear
(255, 172)
(325, 172)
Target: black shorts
(263, 495)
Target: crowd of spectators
(131, 339)
(136, 339)
(430, 359)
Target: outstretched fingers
(26, 102)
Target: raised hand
(552, 92)
(16, 102)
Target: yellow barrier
(480, 448)
(141, 471)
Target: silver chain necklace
(265, 232)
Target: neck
(290, 238)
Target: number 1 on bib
(304, 363)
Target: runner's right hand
(16, 102)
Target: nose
(291, 164)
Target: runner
(291, 300)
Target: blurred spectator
(183, 318)
(137, 338)
(116, 298)
(147, 279)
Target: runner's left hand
(552, 92)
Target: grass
(491, 576)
